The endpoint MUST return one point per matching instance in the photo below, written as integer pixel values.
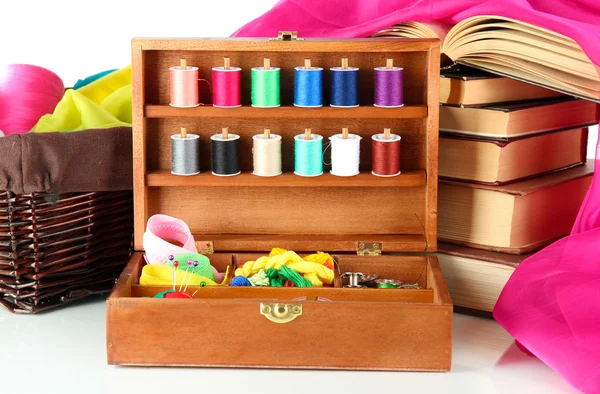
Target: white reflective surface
(64, 352)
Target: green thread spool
(308, 154)
(265, 86)
(388, 283)
(386, 286)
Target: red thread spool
(386, 155)
(226, 83)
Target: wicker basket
(58, 248)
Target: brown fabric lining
(63, 162)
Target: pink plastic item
(157, 249)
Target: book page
(493, 45)
(416, 30)
(527, 73)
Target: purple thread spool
(389, 86)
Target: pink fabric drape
(551, 304)
(578, 19)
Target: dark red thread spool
(386, 154)
(227, 86)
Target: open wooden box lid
(247, 213)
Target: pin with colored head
(189, 264)
(171, 258)
(191, 273)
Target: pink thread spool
(184, 86)
(227, 81)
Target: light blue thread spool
(308, 155)
(308, 87)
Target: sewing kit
(274, 200)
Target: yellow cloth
(99, 90)
(162, 275)
(103, 103)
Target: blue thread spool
(344, 85)
(308, 154)
(308, 86)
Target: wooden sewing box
(369, 224)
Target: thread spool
(225, 153)
(265, 86)
(345, 154)
(389, 86)
(266, 154)
(386, 154)
(344, 86)
(308, 86)
(184, 85)
(308, 154)
(185, 153)
(226, 85)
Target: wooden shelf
(413, 178)
(288, 112)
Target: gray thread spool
(185, 153)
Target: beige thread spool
(267, 154)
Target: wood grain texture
(235, 207)
(140, 196)
(309, 243)
(285, 294)
(432, 143)
(435, 280)
(414, 64)
(288, 112)
(343, 46)
(402, 330)
(159, 132)
(411, 178)
(292, 211)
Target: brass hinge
(287, 36)
(369, 248)
(205, 247)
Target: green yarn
(274, 277)
(295, 277)
(265, 87)
(278, 278)
(204, 268)
(259, 279)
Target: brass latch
(281, 313)
(287, 36)
(205, 247)
(369, 248)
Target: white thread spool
(267, 154)
(345, 154)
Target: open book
(511, 48)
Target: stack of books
(513, 175)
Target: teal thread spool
(308, 154)
(265, 86)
